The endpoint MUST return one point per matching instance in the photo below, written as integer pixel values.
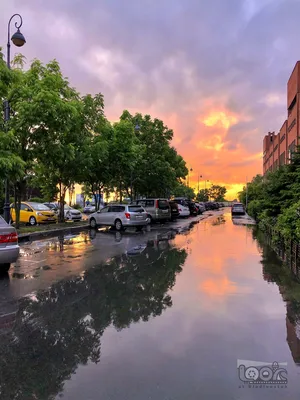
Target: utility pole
(199, 176)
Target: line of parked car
(147, 211)
(121, 216)
(32, 213)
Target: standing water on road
(167, 320)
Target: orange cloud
(220, 118)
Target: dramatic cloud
(215, 71)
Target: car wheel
(32, 221)
(4, 268)
(151, 219)
(118, 225)
(93, 223)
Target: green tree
(124, 151)
(217, 192)
(182, 190)
(49, 126)
(160, 167)
(203, 195)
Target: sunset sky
(215, 71)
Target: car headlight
(39, 214)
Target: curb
(29, 237)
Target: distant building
(278, 148)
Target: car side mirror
(26, 209)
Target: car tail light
(156, 204)
(127, 215)
(9, 238)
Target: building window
(292, 105)
(282, 159)
(291, 149)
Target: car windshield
(39, 207)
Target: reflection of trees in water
(61, 327)
(275, 271)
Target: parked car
(174, 210)
(238, 209)
(53, 207)
(120, 216)
(201, 207)
(184, 210)
(157, 209)
(71, 214)
(89, 209)
(208, 206)
(187, 203)
(33, 213)
(9, 248)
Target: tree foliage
(57, 138)
(274, 199)
(217, 192)
(182, 190)
(203, 195)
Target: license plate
(139, 216)
(165, 211)
(50, 219)
(174, 209)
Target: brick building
(278, 148)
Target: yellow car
(33, 213)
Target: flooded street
(159, 316)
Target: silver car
(9, 248)
(71, 214)
(157, 209)
(120, 216)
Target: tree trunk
(121, 196)
(17, 200)
(62, 194)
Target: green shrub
(255, 208)
(288, 223)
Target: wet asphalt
(164, 314)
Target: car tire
(93, 223)
(32, 221)
(4, 268)
(151, 219)
(118, 225)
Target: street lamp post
(190, 170)
(199, 176)
(18, 40)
